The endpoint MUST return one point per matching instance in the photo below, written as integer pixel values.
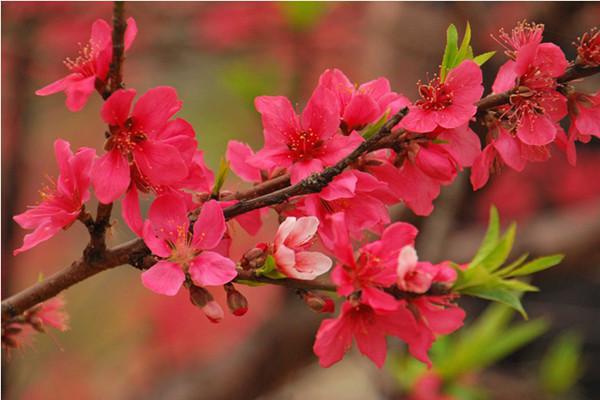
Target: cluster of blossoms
(386, 290)
(523, 129)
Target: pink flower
(425, 166)
(369, 328)
(586, 115)
(145, 147)
(362, 105)
(504, 149)
(447, 104)
(61, 204)
(52, 313)
(238, 154)
(588, 50)
(304, 144)
(356, 194)
(166, 233)
(292, 237)
(375, 266)
(537, 106)
(90, 69)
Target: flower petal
(210, 226)
(110, 176)
(164, 277)
(211, 269)
(152, 111)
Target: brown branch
(97, 246)
(269, 193)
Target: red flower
(62, 203)
(304, 144)
(447, 104)
(90, 69)
(145, 147)
(362, 105)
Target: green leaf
(561, 366)
(519, 286)
(450, 51)
(373, 128)
(269, 269)
(539, 264)
(221, 176)
(500, 252)
(513, 265)
(496, 292)
(483, 58)
(490, 239)
(475, 276)
(463, 52)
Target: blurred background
(127, 343)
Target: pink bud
(318, 303)
(237, 302)
(202, 298)
(213, 311)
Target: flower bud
(254, 258)
(202, 298)
(318, 303)
(237, 302)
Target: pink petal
(168, 214)
(509, 149)
(303, 169)
(159, 162)
(321, 114)
(130, 210)
(310, 265)
(101, 36)
(78, 93)
(506, 78)
(480, 172)
(435, 163)
(371, 342)
(237, 154)
(164, 277)
(536, 130)
(416, 189)
(339, 146)
(342, 186)
(58, 86)
(407, 261)
(455, 115)
(210, 226)
(110, 176)
(418, 120)
(115, 109)
(339, 84)
(551, 59)
(361, 111)
(130, 32)
(333, 339)
(465, 83)
(212, 269)
(378, 299)
(40, 234)
(463, 144)
(342, 247)
(152, 111)
(156, 244)
(278, 118)
(303, 230)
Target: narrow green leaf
(221, 176)
(475, 276)
(450, 51)
(483, 58)
(539, 264)
(512, 266)
(500, 252)
(519, 286)
(495, 292)
(373, 128)
(490, 239)
(463, 52)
